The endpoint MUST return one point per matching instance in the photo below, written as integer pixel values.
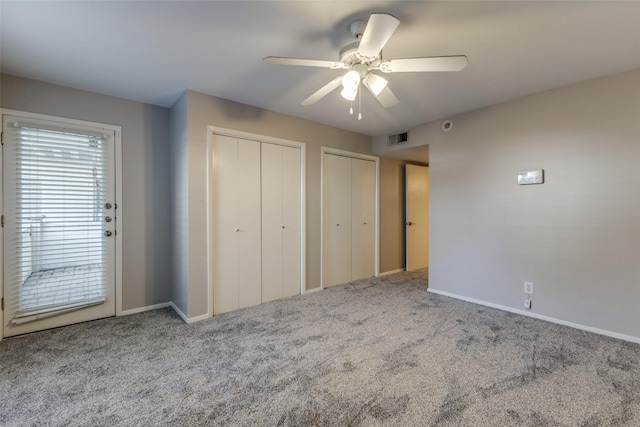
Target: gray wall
(179, 206)
(146, 269)
(576, 237)
(204, 110)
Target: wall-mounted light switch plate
(528, 288)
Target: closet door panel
(272, 247)
(336, 227)
(224, 223)
(291, 221)
(249, 224)
(363, 175)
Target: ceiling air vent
(401, 138)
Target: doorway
(60, 221)
(417, 217)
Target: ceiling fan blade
(387, 98)
(434, 63)
(376, 34)
(323, 91)
(303, 62)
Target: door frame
(117, 140)
(209, 177)
(353, 155)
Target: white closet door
(249, 224)
(271, 222)
(224, 223)
(236, 223)
(363, 187)
(291, 216)
(336, 220)
(280, 221)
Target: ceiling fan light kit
(375, 83)
(364, 55)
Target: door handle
(107, 233)
(107, 219)
(409, 223)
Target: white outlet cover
(528, 288)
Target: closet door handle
(237, 229)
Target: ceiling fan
(363, 56)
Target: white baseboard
(309, 291)
(539, 316)
(387, 273)
(180, 313)
(145, 308)
(188, 319)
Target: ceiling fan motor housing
(357, 28)
(349, 53)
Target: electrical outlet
(527, 304)
(528, 288)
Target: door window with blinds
(59, 223)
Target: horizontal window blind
(58, 249)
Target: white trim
(2, 112)
(184, 316)
(303, 218)
(376, 237)
(145, 308)
(209, 229)
(303, 198)
(253, 137)
(539, 316)
(179, 312)
(310, 291)
(353, 155)
(119, 219)
(390, 272)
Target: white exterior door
(281, 228)
(236, 234)
(417, 216)
(363, 189)
(60, 224)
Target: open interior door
(417, 217)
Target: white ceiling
(152, 51)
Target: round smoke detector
(446, 126)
